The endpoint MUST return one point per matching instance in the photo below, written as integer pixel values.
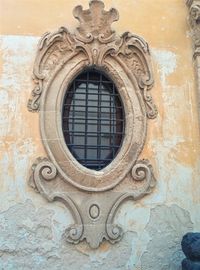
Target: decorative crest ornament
(95, 38)
(96, 22)
(126, 60)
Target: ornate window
(93, 96)
(92, 120)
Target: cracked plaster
(28, 241)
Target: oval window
(93, 119)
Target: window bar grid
(91, 106)
(112, 126)
(100, 117)
(73, 113)
(99, 125)
(86, 117)
(92, 94)
(110, 99)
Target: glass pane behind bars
(93, 119)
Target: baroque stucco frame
(92, 196)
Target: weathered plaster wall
(31, 228)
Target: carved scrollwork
(52, 49)
(73, 234)
(95, 38)
(134, 51)
(151, 109)
(43, 170)
(126, 59)
(142, 171)
(114, 233)
(34, 102)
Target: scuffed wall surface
(31, 239)
(166, 225)
(28, 241)
(30, 228)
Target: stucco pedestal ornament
(92, 196)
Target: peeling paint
(167, 62)
(27, 242)
(166, 227)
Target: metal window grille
(93, 119)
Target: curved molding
(44, 171)
(93, 211)
(142, 171)
(126, 59)
(61, 56)
(96, 41)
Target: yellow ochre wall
(30, 227)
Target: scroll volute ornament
(126, 60)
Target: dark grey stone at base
(191, 246)
(190, 265)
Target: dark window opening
(93, 119)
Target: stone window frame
(105, 119)
(93, 196)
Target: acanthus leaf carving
(135, 53)
(52, 48)
(95, 38)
